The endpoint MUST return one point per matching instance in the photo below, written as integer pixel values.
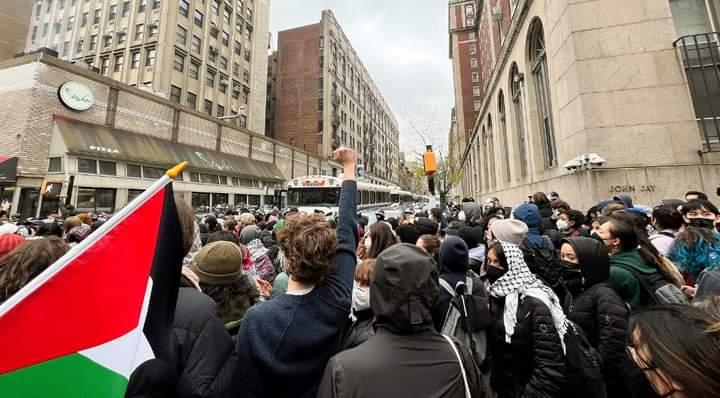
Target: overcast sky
(404, 46)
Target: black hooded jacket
(406, 357)
(600, 312)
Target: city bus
(311, 194)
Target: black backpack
(584, 372)
(655, 289)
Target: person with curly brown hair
(284, 344)
(26, 262)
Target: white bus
(311, 194)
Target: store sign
(102, 149)
(220, 166)
(76, 96)
(51, 189)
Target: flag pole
(94, 237)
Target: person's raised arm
(341, 280)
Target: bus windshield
(308, 197)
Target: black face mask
(572, 277)
(702, 223)
(494, 273)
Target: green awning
(85, 139)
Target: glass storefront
(219, 199)
(253, 200)
(200, 199)
(95, 200)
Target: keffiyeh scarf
(518, 282)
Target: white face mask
(461, 216)
(361, 297)
(368, 243)
(562, 225)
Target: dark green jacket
(622, 281)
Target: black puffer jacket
(202, 348)
(532, 364)
(599, 311)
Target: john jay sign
(631, 188)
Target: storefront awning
(8, 169)
(85, 139)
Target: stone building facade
(107, 153)
(325, 98)
(14, 19)
(633, 82)
(209, 55)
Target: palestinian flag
(86, 323)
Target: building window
(215, 7)
(93, 42)
(473, 49)
(104, 65)
(236, 69)
(107, 168)
(156, 4)
(208, 107)
(473, 63)
(181, 35)
(226, 16)
(192, 100)
(55, 165)
(477, 105)
(225, 38)
(223, 62)
(503, 138)
(122, 38)
(139, 31)
(119, 59)
(538, 65)
(209, 179)
(476, 91)
(237, 48)
(107, 40)
(220, 199)
(179, 61)
(134, 170)
(153, 30)
(45, 29)
(200, 199)
(194, 176)
(475, 77)
(472, 36)
(196, 44)
(516, 79)
(212, 54)
(198, 18)
(135, 61)
(66, 49)
(83, 20)
(125, 9)
(320, 104)
(96, 16)
(95, 200)
(184, 7)
(210, 78)
(223, 84)
(220, 111)
(150, 56)
(133, 193)
(142, 5)
(70, 23)
(194, 70)
(175, 94)
(112, 13)
(87, 166)
(152, 173)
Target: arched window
(484, 163)
(505, 166)
(516, 79)
(538, 66)
(490, 153)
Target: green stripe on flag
(70, 376)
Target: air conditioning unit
(497, 14)
(213, 50)
(223, 82)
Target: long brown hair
(26, 262)
(684, 342)
(382, 237)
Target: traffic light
(429, 163)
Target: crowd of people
(469, 300)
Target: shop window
(152, 172)
(108, 168)
(219, 199)
(194, 177)
(87, 166)
(55, 165)
(134, 170)
(95, 200)
(253, 200)
(209, 179)
(200, 199)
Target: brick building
(102, 156)
(209, 55)
(325, 98)
(593, 98)
(14, 18)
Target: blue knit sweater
(284, 344)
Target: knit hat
(512, 231)
(8, 243)
(218, 262)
